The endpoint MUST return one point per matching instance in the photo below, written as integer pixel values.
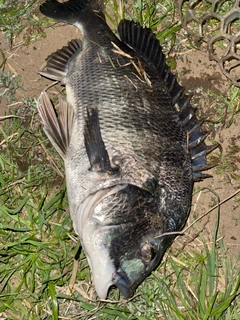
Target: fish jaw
(122, 276)
(93, 240)
(101, 264)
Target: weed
(151, 14)
(33, 248)
(227, 107)
(18, 16)
(9, 83)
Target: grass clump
(160, 17)
(224, 112)
(207, 287)
(34, 241)
(226, 107)
(9, 83)
(21, 17)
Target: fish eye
(147, 252)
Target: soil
(200, 77)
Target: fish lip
(123, 284)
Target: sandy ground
(199, 76)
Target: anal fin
(58, 128)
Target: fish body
(131, 144)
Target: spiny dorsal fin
(144, 43)
(57, 62)
(95, 147)
(57, 128)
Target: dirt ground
(199, 76)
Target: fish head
(122, 238)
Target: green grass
(33, 229)
(224, 111)
(9, 83)
(38, 247)
(21, 17)
(226, 108)
(205, 286)
(160, 17)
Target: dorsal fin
(57, 62)
(95, 147)
(57, 128)
(144, 43)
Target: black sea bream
(130, 141)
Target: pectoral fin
(58, 128)
(95, 147)
(57, 62)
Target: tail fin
(71, 10)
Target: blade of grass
(53, 296)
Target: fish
(130, 140)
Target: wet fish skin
(129, 167)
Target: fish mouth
(123, 284)
(103, 281)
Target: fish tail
(71, 11)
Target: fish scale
(131, 143)
(110, 115)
